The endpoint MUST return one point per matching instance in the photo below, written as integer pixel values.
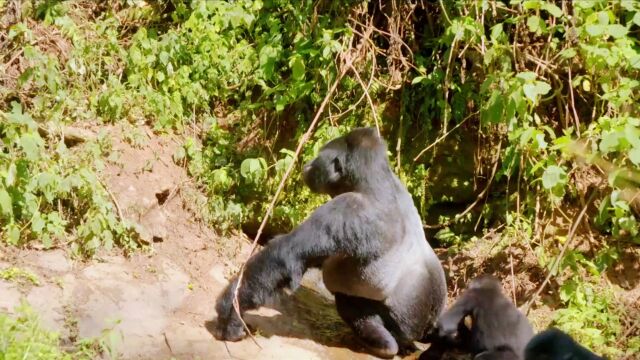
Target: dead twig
(573, 103)
(113, 198)
(366, 92)
(348, 60)
(443, 136)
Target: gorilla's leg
(366, 318)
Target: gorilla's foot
(376, 338)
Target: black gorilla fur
(389, 286)
(553, 344)
(499, 331)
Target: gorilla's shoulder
(349, 202)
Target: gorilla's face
(326, 173)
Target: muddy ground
(162, 300)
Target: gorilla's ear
(335, 170)
(366, 138)
(337, 165)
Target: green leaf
(496, 32)
(267, 58)
(632, 135)
(251, 169)
(542, 87)
(417, 79)
(617, 30)
(636, 18)
(30, 144)
(533, 22)
(37, 224)
(13, 234)
(297, 68)
(494, 109)
(5, 203)
(595, 30)
(11, 174)
(530, 92)
(629, 5)
(634, 155)
(531, 4)
(527, 76)
(568, 53)
(604, 17)
(164, 57)
(552, 9)
(553, 176)
(610, 142)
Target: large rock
(142, 308)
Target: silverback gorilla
(388, 284)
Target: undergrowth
(497, 113)
(22, 337)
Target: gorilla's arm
(448, 323)
(336, 227)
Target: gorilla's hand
(229, 325)
(447, 329)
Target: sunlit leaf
(610, 142)
(533, 22)
(553, 176)
(634, 155)
(568, 53)
(552, 9)
(595, 29)
(30, 144)
(5, 203)
(617, 30)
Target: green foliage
(22, 337)
(18, 275)
(590, 316)
(248, 52)
(37, 176)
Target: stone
(55, 260)
(156, 220)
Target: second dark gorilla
(499, 331)
(389, 286)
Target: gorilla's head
(348, 163)
(487, 282)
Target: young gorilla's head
(348, 163)
(486, 282)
